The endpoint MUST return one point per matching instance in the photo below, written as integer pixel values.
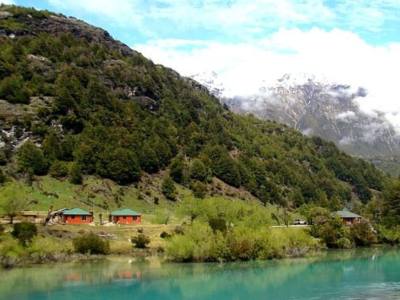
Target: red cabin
(126, 216)
(77, 216)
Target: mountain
(75, 102)
(323, 109)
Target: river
(359, 274)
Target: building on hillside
(125, 216)
(348, 217)
(77, 216)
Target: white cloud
(7, 2)
(337, 56)
(346, 115)
(237, 18)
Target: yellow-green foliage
(200, 243)
(10, 247)
(49, 246)
(234, 212)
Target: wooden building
(77, 216)
(348, 217)
(125, 216)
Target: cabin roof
(346, 214)
(76, 212)
(125, 212)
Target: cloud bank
(333, 56)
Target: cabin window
(124, 217)
(83, 218)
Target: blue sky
(136, 21)
(251, 43)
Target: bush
(363, 234)
(58, 169)
(2, 177)
(177, 170)
(168, 188)
(199, 189)
(198, 170)
(91, 244)
(75, 175)
(31, 159)
(141, 241)
(200, 243)
(24, 232)
(165, 235)
(330, 230)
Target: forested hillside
(75, 102)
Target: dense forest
(75, 102)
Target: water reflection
(361, 274)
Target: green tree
(199, 189)
(392, 204)
(91, 244)
(75, 174)
(141, 241)
(14, 200)
(12, 88)
(223, 166)
(31, 159)
(168, 188)
(58, 169)
(198, 170)
(177, 169)
(2, 177)
(363, 234)
(120, 165)
(52, 147)
(24, 232)
(149, 160)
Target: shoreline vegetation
(210, 230)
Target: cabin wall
(78, 219)
(126, 220)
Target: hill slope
(73, 100)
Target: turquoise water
(362, 274)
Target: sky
(252, 43)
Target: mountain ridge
(321, 108)
(76, 102)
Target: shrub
(218, 223)
(363, 234)
(31, 159)
(58, 169)
(24, 232)
(198, 170)
(199, 189)
(168, 188)
(91, 244)
(75, 175)
(140, 241)
(165, 235)
(344, 243)
(177, 170)
(2, 177)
